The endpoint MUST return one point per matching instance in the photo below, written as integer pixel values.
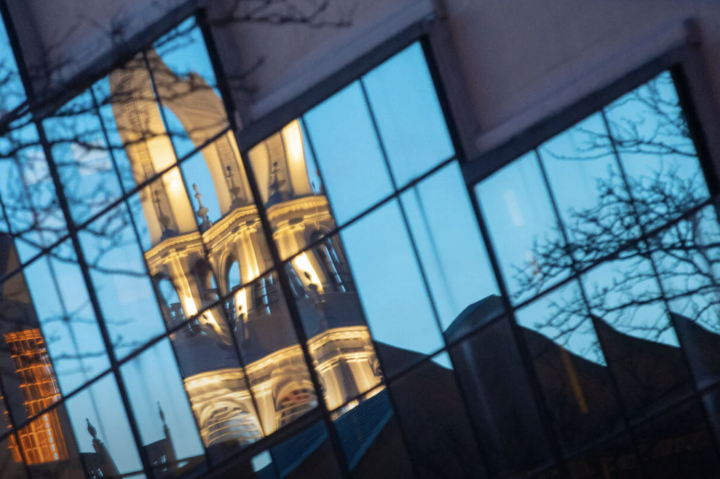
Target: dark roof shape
(647, 372)
(475, 316)
(702, 346)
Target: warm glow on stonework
(42, 440)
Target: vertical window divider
(138, 242)
(666, 306)
(576, 275)
(523, 349)
(236, 346)
(416, 255)
(94, 301)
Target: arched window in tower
(205, 278)
(265, 294)
(329, 253)
(295, 402)
(170, 305)
(235, 300)
(230, 422)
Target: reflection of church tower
(237, 252)
(161, 454)
(27, 376)
(101, 463)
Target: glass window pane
(589, 190)
(119, 275)
(523, 228)
(97, 420)
(218, 386)
(49, 448)
(28, 194)
(390, 286)
(657, 151)
(308, 453)
(501, 404)
(451, 250)
(687, 257)
(332, 317)
(348, 153)
(369, 434)
(571, 369)
(638, 340)
(131, 115)
(12, 93)
(295, 199)
(66, 318)
(275, 364)
(83, 158)
(406, 108)
(437, 429)
(115, 100)
(186, 86)
(220, 178)
(160, 406)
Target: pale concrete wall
(518, 61)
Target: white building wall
(518, 61)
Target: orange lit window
(42, 440)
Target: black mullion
(418, 259)
(294, 315)
(293, 310)
(391, 396)
(94, 301)
(443, 99)
(576, 276)
(661, 288)
(533, 382)
(238, 352)
(147, 270)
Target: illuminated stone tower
(236, 251)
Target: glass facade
(337, 301)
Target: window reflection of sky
(515, 203)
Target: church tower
(198, 255)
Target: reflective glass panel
(67, 320)
(451, 251)
(160, 405)
(368, 432)
(390, 286)
(589, 190)
(438, 435)
(12, 91)
(119, 274)
(81, 153)
(408, 114)
(29, 199)
(11, 459)
(348, 153)
(274, 362)
(98, 426)
(523, 227)
(307, 453)
(500, 401)
(186, 86)
(577, 385)
(686, 256)
(655, 146)
(639, 342)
